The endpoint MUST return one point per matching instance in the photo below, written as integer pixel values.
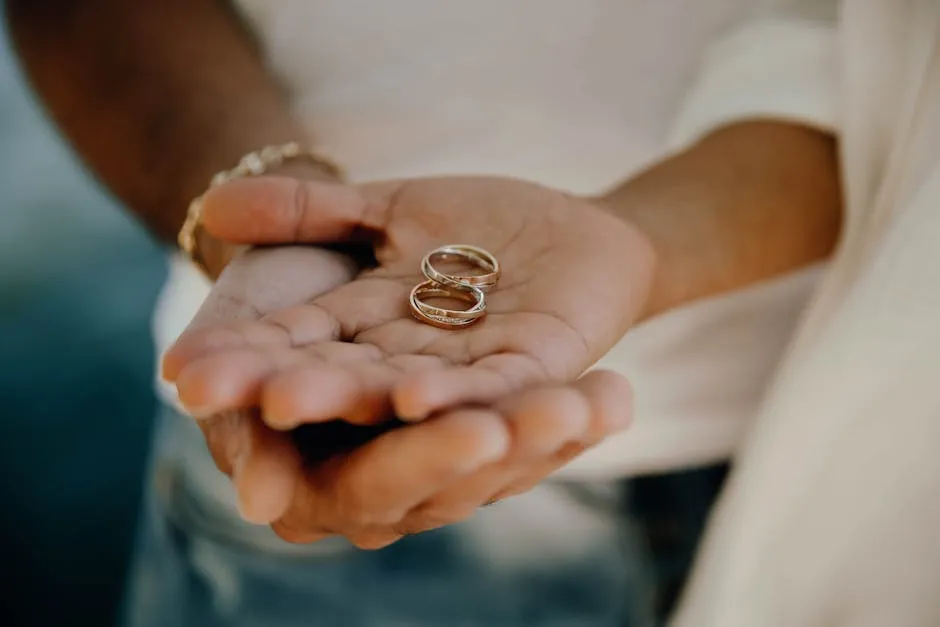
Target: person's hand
(253, 285)
(574, 278)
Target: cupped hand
(265, 464)
(574, 279)
(441, 471)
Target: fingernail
(407, 411)
(411, 416)
(257, 507)
(200, 412)
(238, 461)
(252, 518)
(492, 450)
(170, 365)
(406, 408)
(278, 422)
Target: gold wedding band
(465, 252)
(446, 318)
(466, 288)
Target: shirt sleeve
(779, 64)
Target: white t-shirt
(575, 95)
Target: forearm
(748, 202)
(155, 96)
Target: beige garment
(832, 514)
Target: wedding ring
(446, 318)
(464, 252)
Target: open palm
(573, 280)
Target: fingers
(230, 380)
(358, 394)
(405, 467)
(341, 313)
(263, 464)
(296, 326)
(222, 367)
(550, 427)
(267, 287)
(376, 484)
(507, 355)
(195, 344)
(281, 210)
(266, 477)
(541, 422)
(485, 381)
(262, 281)
(366, 303)
(538, 472)
(610, 398)
(306, 384)
(441, 471)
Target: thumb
(283, 210)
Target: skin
(152, 115)
(362, 357)
(314, 338)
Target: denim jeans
(565, 556)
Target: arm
(751, 191)
(155, 96)
(747, 202)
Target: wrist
(675, 277)
(213, 254)
(747, 203)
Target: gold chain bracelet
(255, 163)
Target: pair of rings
(468, 288)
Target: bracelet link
(255, 163)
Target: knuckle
(355, 510)
(568, 452)
(612, 408)
(299, 206)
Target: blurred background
(78, 281)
